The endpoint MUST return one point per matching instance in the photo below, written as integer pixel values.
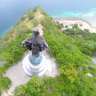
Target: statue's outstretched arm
(46, 45)
(26, 40)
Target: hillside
(71, 48)
(10, 51)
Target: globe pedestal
(38, 65)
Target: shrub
(66, 26)
(59, 26)
(75, 26)
(30, 14)
(4, 82)
(35, 22)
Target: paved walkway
(18, 76)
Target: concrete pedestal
(39, 69)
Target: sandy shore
(82, 24)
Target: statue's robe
(35, 43)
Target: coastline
(4, 31)
(72, 20)
(7, 29)
(62, 19)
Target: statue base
(39, 69)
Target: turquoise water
(88, 15)
(10, 10)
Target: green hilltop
(71, 48)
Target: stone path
(18, 76)
(94, 58)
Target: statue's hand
(21, 44)
(48, 49)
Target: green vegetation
(70, 57)
(66, 26)
(4, 82)
(59, 25)
(70, 48)
(75, 26)
(35, 22)
(83, 39)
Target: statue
(36, 44)
(35, 40)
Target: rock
(2, 63)
(79, 69)
(89, 74)
(91, 66)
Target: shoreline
(5, 30)
(72, 20)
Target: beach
(82, 24)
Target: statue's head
(35, 32)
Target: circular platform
(40, 69)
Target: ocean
(11, 10)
